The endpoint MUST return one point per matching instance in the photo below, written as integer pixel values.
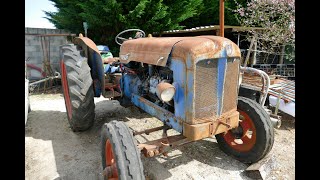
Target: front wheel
(253, 138)
(120, 155)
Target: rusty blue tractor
(189, 83)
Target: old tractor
(191, 84)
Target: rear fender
(95, 63)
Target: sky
(34, 13)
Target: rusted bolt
(150, 153)
(228, 126)
(156, 152)
(165, 153)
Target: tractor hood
(156, 51)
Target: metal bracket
(162, 146)
(226, 124)
(147, 131)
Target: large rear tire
(254, 137)
(120, 156)
(77, 87)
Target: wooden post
(249, 51)
(221, 19)
(282, 54)
(254, 58)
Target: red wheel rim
(111, 164)
(65, 89)
(248, 137)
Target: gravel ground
(53, 151)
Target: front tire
(77, 87)
(254, 137)
(120, 156)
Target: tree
(106, 18)
(277, 17)
(209, 14)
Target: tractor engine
(151, 82)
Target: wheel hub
(242, 138)
(237, 132)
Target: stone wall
(34, 51)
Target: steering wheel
(139, 34)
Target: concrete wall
(34, 51)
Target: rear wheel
(77, 87)
(254, 137)
(120, 155)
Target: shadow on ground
(77, 154)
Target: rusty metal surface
(231, 86)
(254, 82)
(111, 90)
(224, 123)
(232, 49)
(149, 50)
(205, 99)
(94, 56)
(155, 51)
(161, 146)
(204, 46)
(84, 40)
(196, 132)
(147, 131)
(202, 83)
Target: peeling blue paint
(222, 64)
(130, 84)
(157, 111)
(179, 81)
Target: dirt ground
(53, 151)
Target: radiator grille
(205, 96)
(231, 86)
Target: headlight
(165, 91)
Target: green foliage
(277, 17)
(106, 18)
(209, 14)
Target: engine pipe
(150, 70)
